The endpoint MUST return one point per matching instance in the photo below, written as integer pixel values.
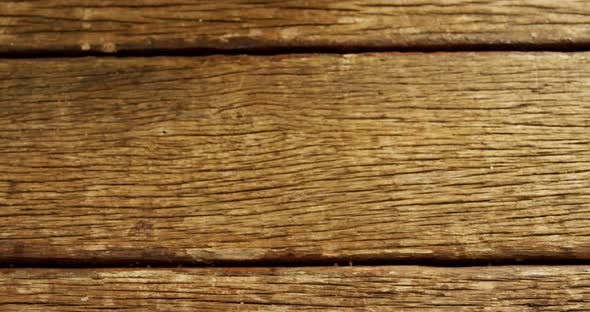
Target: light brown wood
(144, 25)
(436, 157)
(371, 289)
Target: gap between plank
(67, 53)
(57, 264)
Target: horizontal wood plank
(156, 25)
(439, 156)
(371, 289)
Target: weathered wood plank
(527, 288)
(124, 25)
(437, 156)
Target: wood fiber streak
(436, 156)
(144, 25)
(371, 289)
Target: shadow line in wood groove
(277, 50)
(139, 263)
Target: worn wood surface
(435, 156)
(144, 25)
(522, 289)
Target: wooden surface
(156, 25)
(522, 289)
(159, 175)
(438, 156)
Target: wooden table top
(297, 155)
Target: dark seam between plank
(138, 263)
(272, 50)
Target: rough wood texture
(371, 289)
(123, 25)
(306, 157)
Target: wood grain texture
(438, 156)
(371, 289)
(131, 25)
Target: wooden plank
(527, 288)
(143, 25)
(439, 156)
